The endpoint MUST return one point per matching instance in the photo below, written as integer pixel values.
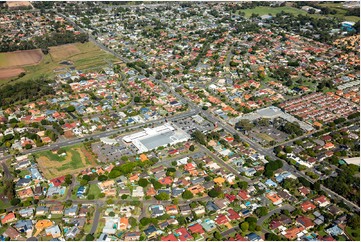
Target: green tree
(199, 137)
(162, 196)
(68, 179)
(187, 194)
(71, 108)
(89, 237)
(261, 211)
(217, 235)
(102, 178)
(245, 226)
(83, 182)
(90, 197)
(15, 201)
(143, 182)
(272, 237)
(191, 148)
(133, 222)
(215, 192)
(244, 124)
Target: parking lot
(110, 153)
(191, 124)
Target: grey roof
(23, 182)
(198, 180)
(42, 208)
(211, 206)
(208, 185)
(72, 209)
(184, 208)
(177, 191)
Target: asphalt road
(7, 173)
(96, 218)
(274, 211)
(225, 165)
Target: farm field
(20, 58)
(85, 56)
(77, 158)
(7, 73)
(12, 63)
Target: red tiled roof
(243, 194)
(306, 206)
(183, 234)
(169, 237)
(166, 181)
(221, 219)
(233, 215)
(305, 222)
(196, 229)
(58, 181)
(230, 197)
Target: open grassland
(341, 11)
(296, 11)
(273, 11)
(86, 56)
(77, 158)
(265, 137)
(61, 52)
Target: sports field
(77, 158)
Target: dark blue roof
(253, 237)
(150, 230)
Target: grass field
(86, 57)
(265, 137)
(273, 11)
(340, 11)
(94, 190)
(288, 9)
(77, 159)
(62, 52)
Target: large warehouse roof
(152, 138)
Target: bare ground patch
(20, 58)
(10, 72)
